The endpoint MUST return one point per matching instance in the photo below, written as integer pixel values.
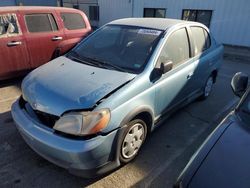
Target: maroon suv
(32, 36)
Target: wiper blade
(116, 67)
(78, 58)
(93, 61)
(105, 63)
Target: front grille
(49, 120)
(46, 119)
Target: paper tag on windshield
(149, 32)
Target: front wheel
(132, 140)
(207, 88)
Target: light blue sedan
(91, 110)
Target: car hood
(62, 85)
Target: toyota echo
(91, 110)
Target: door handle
(189, 75)
(14, 43)
(56, 38)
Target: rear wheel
(207, 88)
(133, 139)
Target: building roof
(154, 23)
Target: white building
(228, 20)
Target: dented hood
(63, 85)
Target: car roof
(154, 23)
(28, 8)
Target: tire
(207, 88)
(132, 140)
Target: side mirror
(239, 83)
(166, 66)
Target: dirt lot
(160, 161)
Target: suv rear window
(40, 23)
(201, 39)
(73, 21)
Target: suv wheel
(133, 139)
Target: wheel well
(147, 118)
(214, 74)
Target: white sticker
(149, 32)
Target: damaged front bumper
(84, 157)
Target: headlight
(83, 123)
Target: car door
(173, 87)
(13, 50)
(76, 26)
(43, 35)
(202, 56)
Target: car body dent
(84, 85)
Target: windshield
(244, 109)
(124, 48)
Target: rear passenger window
(176, 48)
(207, 39)
(40, 23)
(73, 21)
(201, 39)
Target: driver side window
(176, 49)
(8, 25)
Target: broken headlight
(83, 123)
